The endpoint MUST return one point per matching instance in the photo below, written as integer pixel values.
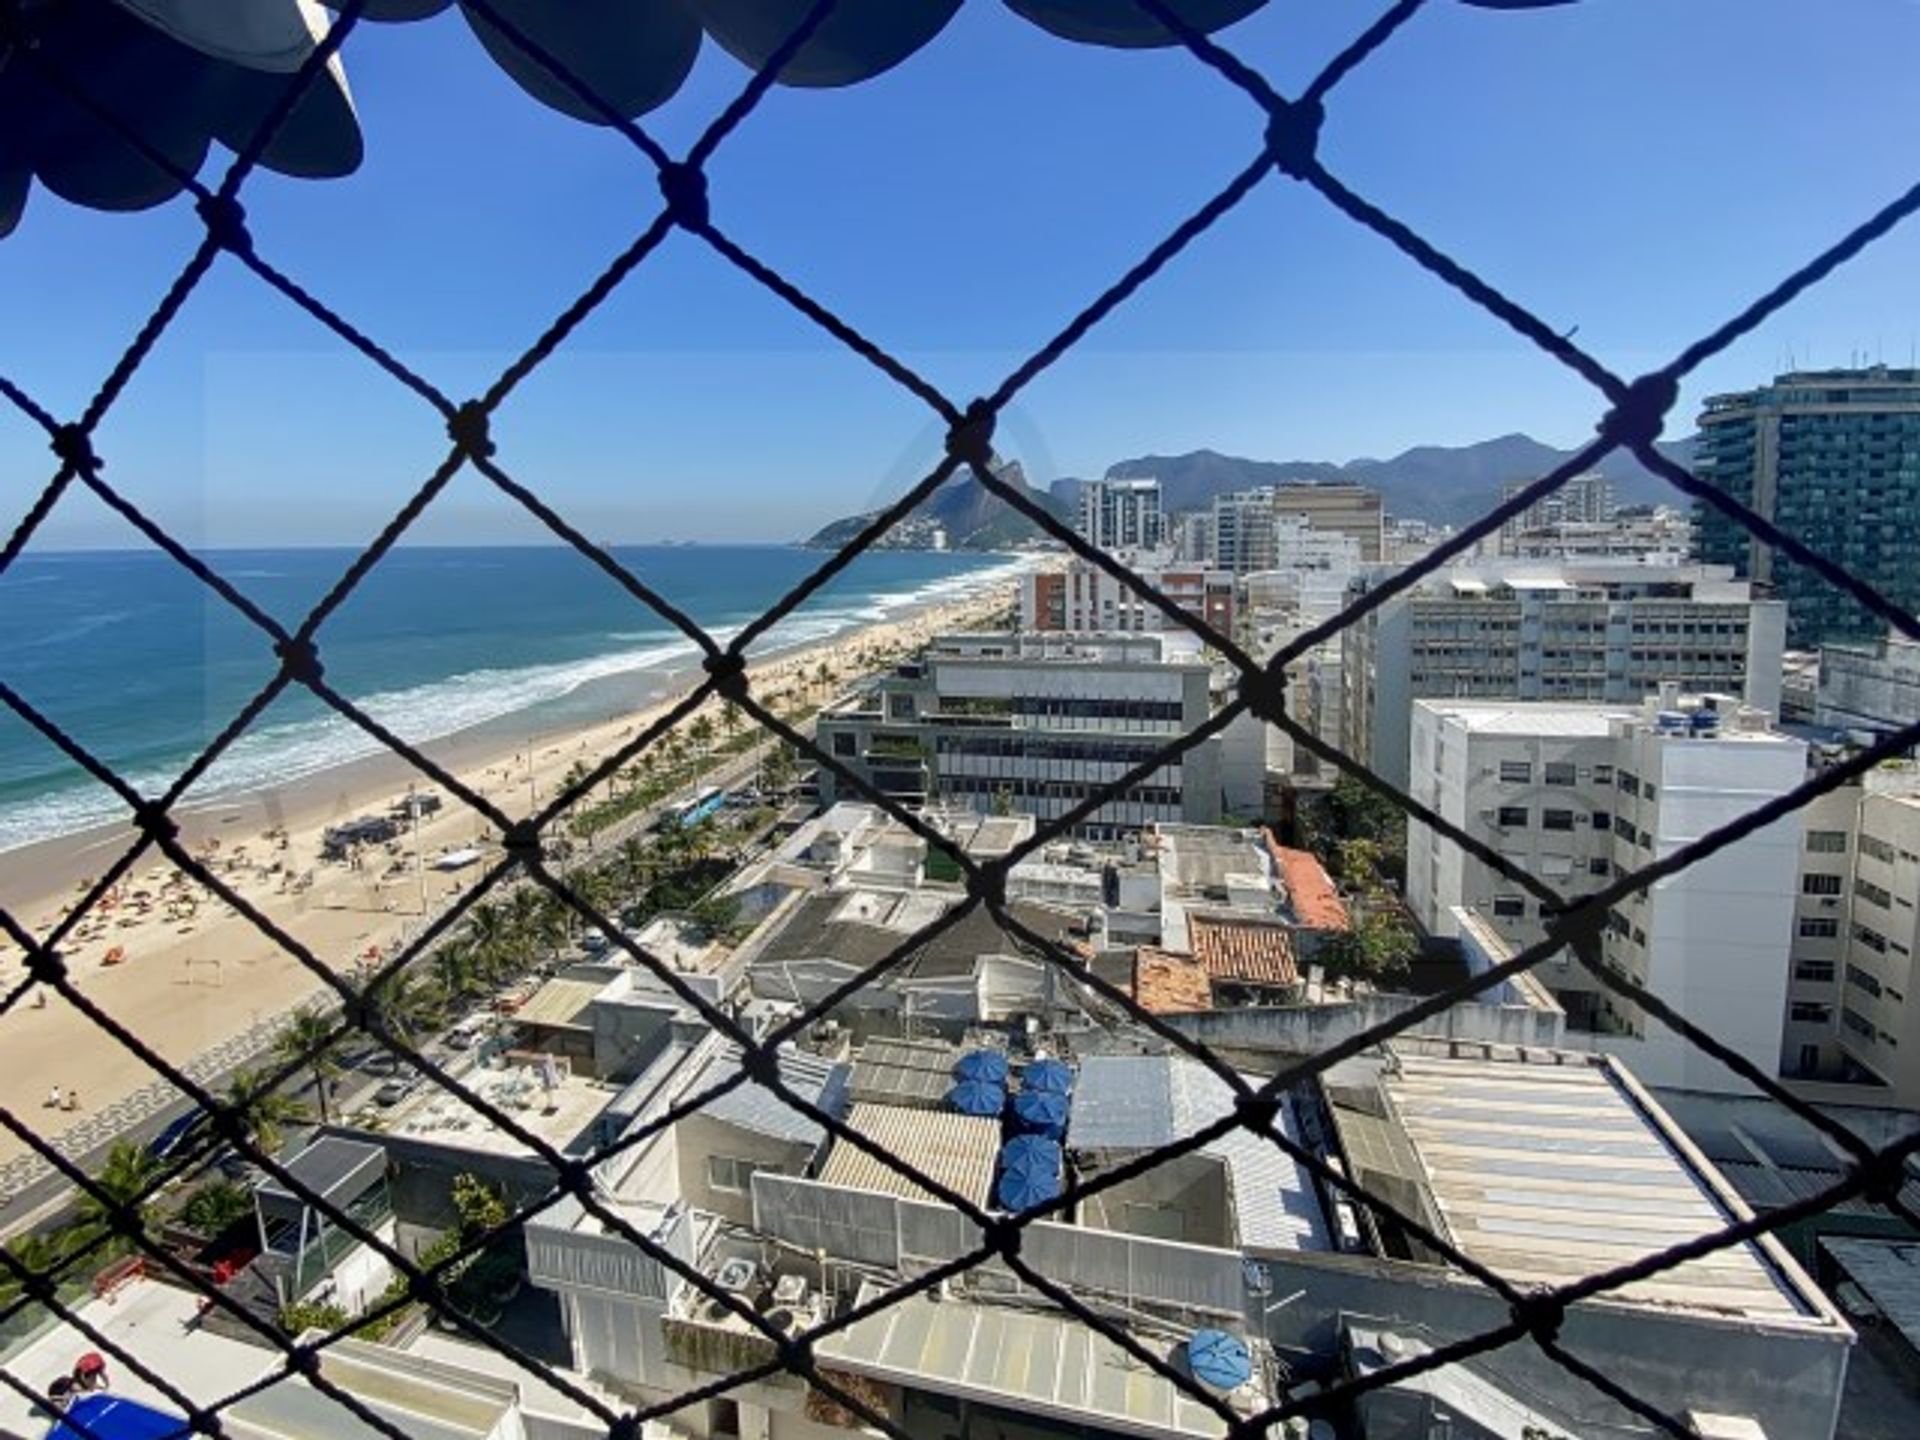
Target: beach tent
(1047, 1075)
(1041, 1112)
(987, 1065)
(112, 1417)
(1218, 1360)
(1029, 1172)
(977, 1097)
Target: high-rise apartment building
(1552, 630)
(1577, 794)
(1033, 724)
(1339, 508)
(1121, 514)
(1873, 689)
(1833, 458)
(1580, 500)
(1242, 530)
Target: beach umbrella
(1029, 1172)
(1218, 1360)
(1054, 1075)
(977, 1097)
(1041, 1112)
(987, 1065)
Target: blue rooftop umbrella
(1047, 1075)
(110, 1417)
(1218, 1360)
(1029, 1172)
(987, 1065)
(1041, 1112)
(977, 1097)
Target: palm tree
(263, 1108)
(311, 1039)
(730, 720)
(701, 733)
(126, 1177)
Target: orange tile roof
(1310, 890)
(1251, 951)
(1166, 984)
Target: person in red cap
(90, 1371)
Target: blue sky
(1638, 168)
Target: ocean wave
(290, 750)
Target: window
(1509, 907)
(1819, 927)
(1601, 867)
(1856, 1022)
(1602, 820)
(1827, 842)
(1870, 938)
(1516, 772)
(1872, 893)
(1810, 1012)
(1861, 980)
(1819, 884)
(1513, 817)
(1877, 848)
(1558, 772)
(842, 743)
(1556, 820)
(1603, 774)
(1628, 781)
(1647, 790)
(1814, 972)
(726, 1173)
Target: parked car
(394, 1091)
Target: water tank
(1219, 1361)
(1029, 1172)
(1041, 1112)
(1051, 1075)
(987, 1065)
(977, 1097)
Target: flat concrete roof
(557, 1117)
(1546, 718)
(1550, 1172)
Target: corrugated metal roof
(558, 1002)
(753, 1108)
(1022, 1360)
(1548, 1173)
(1141, 1102)
(1888, 1271)
(903, 1072)
(956, 1150)
(334, 1168)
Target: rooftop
(1887, 1272)
(904, 1072)
(1253, 952)
(1166, 984)
(1024, 1360)
(559, 1115)
(1311, 893)
(333, 1167)
(1563, 720)
(1550, 1170)
(752, 1107)
(1142, 1102)
(558, 1002)
(957, 1150)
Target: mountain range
(1444, 484)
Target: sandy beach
(176, 965)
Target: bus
(702, 805)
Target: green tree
(480, 1206)
(256, 1099)
(718, 915)
(127, 1175)
(700, 732)
(215, 1207)
(310, 1038)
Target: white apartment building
(1552, 631)
(1081, 598)
(1658, 537)
(1120, 515)
(1576, 794)
(1032, 724)
(1580, 500)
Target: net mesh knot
(684, 187)
(1293, 135)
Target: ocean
(143, 666)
